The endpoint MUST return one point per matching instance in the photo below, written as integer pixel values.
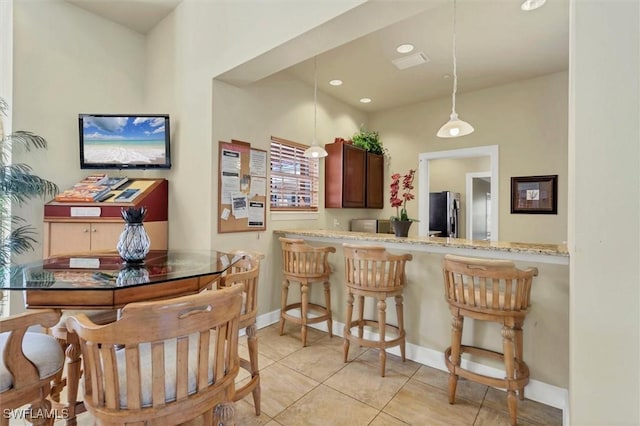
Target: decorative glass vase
(134, 243)
(401, 227)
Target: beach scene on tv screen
(124, 140)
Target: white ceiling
(138, 15)
(497, 43)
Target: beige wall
(68, 61)
(532, 139)
(604, 229)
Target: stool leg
(400, 311)
(519, 357)
(382, 321)
(508, 349)
(360, 316)
(327, 301)
(347, 326)
(283, 303)
(457, 322)
(304, 296)
(252, 343)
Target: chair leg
(283, 303)
(400, 310)
(360, 316)
(382, 321)
(39, 413)
(327, 301)
(225, 414)
(457, 323)
(252, 343)
(508, 350)
(347, 326)
(304, 296)
(74, 371)
(519, 357)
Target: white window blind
(294, 177)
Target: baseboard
(536, 391)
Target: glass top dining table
(105, 281)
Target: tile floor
(312, 386)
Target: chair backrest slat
(109, 368)
(157, 373)
(182, 367)
(133, 377)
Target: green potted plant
(369, 141)
(18, 185)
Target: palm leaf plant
(17, 186)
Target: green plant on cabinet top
(369, 141)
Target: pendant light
(454, 127)
(315, 150)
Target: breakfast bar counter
(543, 253)
(427, 316)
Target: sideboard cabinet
(89, 227)
(353, 177)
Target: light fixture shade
(315, 151)
(455, 128)
(529, 5)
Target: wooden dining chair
(163, 362)
(30, 360)
(246, 272)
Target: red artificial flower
(407, 186)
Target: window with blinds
(294, 177)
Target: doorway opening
(490, 151)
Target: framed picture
(534, 194)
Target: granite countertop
(559, 250)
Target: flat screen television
(124, 141)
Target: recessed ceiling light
(336, 82)
(365, 100)
(404, 48)
(529, 5)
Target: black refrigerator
(444, 210)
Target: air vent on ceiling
(410, 61)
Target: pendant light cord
(315, 100)
(455, 68)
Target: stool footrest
(311, 307)
(373, 343)
(521, 369)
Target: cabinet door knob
(85, 230)
(94, 230)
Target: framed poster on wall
(534, 194)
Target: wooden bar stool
(488, 290)
(305, 264)
(373, 272)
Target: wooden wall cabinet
(353, 177)
(67, 231)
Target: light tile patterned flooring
(312, 386)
